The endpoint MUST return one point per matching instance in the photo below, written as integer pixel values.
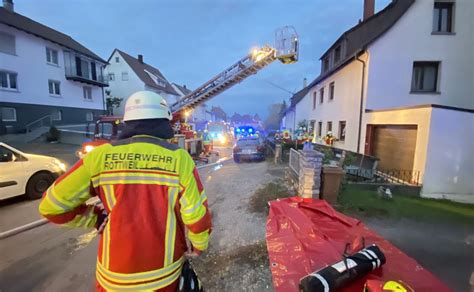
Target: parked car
(249, 148)
(30, 174)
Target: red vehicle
(106, 128)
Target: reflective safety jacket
(151, 191)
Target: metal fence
(395, 176)
(295, 161)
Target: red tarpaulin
(305, 235)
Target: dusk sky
(191, 41)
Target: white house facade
(399, 86)
(128, 75)
(45, 74)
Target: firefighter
(151, 194)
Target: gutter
(361, 105)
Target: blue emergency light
(250, 130)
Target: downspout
(361, 107)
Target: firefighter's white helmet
(145, 105)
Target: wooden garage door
(394, 146)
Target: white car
(30, 174)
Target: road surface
(51, 258)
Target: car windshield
(247, 142)
(216, 128)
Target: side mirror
(7, 157)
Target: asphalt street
(52, 258)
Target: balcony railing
(83, 69)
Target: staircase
(34, 130)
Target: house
(398, 86)
(199, 115)
(46, 77)
(298, 111)
(128, 75)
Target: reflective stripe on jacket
(151, 191)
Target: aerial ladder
(286, 50)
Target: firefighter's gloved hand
(102, 219)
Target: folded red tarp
(305, 235)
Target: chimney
(184, 86)
(305, 82)
(369, 8)
(8, 5)
(140, 58)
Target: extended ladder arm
(286, 51)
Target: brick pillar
(311, 163)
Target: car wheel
(38, 184)
(236, 160)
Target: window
(54, 87)
(87, 92)
(156, 79)
(342, 131)
(326, 64)
(56, 115)
(311, 127)
(321, 95)
(329, 127)
(8, 114)
(124, 76)
(8, 80)
(331, 91)
(6, 155)
(443, 17)
(52, 56)
(89, 116)
(314, 99)
(117, 60)
(320, 128)
(7, 43)
(425, 77)
(111, 76)
(337, 54)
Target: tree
(112, 102)
(274, 116)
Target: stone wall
(311, 163)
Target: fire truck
(285, 50)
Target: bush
(53, 134)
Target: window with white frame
(52, 56)
(111, 76)
(124, 76)
(8, 80)
(117, 60)
(425, 77)
(342, 131)
(89, 116)
(87, 92)
(54, 87)
(7, 43)
(320, 128)
(56, 115)
(8, 114)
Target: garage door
(394, 146)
